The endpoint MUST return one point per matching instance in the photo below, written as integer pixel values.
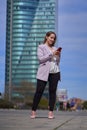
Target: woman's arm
(43, 57)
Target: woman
(48, 71)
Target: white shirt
(54, 68)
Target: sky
(72, 37)
(2, 43)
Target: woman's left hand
(56, 53)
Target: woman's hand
(56, 53)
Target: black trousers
(53, 81)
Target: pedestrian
(68, 105)
(57, 105)
(48, 71)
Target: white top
(54, 68)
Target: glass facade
(27, 23)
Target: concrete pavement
(20, 120)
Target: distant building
(26, 24)
(62, 95)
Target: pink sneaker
(33, 115)
(50, 115)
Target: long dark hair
(48, 34)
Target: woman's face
(50, 39)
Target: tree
(85, 105)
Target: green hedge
(85, 105)
(6, 104)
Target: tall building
(27, 23)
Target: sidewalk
(20, 120)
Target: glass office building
(27, 23)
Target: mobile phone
(59, 49)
